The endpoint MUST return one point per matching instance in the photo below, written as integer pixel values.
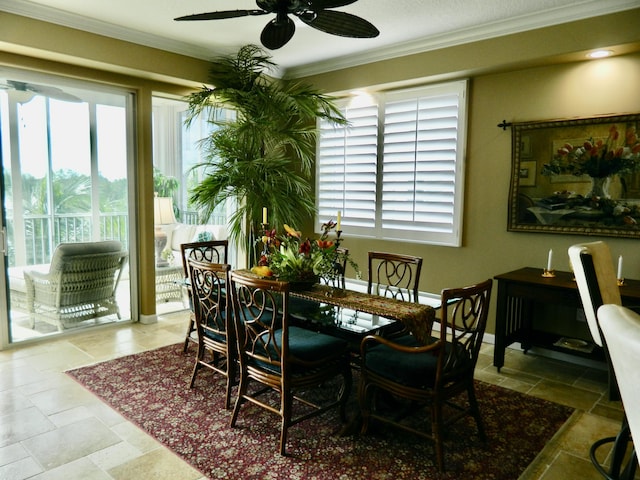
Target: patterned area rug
(152, 390)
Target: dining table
(352, 315)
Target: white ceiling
(406, 26)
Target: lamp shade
(163, 211)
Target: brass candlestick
(265, 245)
(548, 273)
(620, 282)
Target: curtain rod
(504, 125)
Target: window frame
(327, 208)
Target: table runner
(418, 318)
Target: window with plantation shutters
(397, 171)
(346, 169)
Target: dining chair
(620, 327)
(428, 374)
(212, 251)
(597, 283)
(291, 361)
(394, 275)
(217, 346)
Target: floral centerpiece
(599, 159)
(290, 258)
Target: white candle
(339, 218)
(620, 266)
(550, 259)
(264, 215)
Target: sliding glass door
(65, 152)
(179, 161)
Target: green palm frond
(264, 156)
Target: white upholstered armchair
(80, 284)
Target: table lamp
(162, 215)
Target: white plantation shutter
(346, 169)
(413, 188)
(422, 156)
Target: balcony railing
(42, 234)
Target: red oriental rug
(152, 390)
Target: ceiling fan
(29, 90)
(314, 13)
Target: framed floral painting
(578, 176)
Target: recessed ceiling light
(600, 54)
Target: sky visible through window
(64, 127)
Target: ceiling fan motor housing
(289, 6)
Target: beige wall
(530, 76)
(556, 89)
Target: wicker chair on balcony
(80, 285)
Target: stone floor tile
(115, 455)
(159, 464)
(81, 469)
(12, 401)
(567, 467)
(71, 442)
(62, 398)
(12, 453)
(20, 469)
(559, 393)
(587, 430)
(22, 425)
(70, 415)
(136, 437)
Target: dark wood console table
(524, 294)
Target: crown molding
(557, 16)
(550, 17)
(78, 22)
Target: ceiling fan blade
(220, 15)
(277, 33)
(340, 23)
(316, 5)
(44, 90)
(55, 93)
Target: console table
(523, 296)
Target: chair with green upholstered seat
(212, 251)
(428, 374)
(291, 361)
(217, 346)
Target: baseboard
(148, 319)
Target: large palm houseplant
(263, 155)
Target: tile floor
(51, 428)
